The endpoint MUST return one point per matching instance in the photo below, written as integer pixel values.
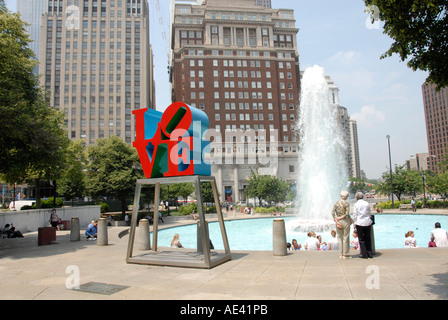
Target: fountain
(323, 171)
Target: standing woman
(363, 224)
(341, 215)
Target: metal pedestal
(182, 257)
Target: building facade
(238, 61)
(419, 162)
(31, 11)
(96, 62)
(436, 117)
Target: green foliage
(403, 182)
(269, 210)
(211, 209)
(181, 189)
(104, 207)
(207, 192)
(419, 30)
(32, 135)
(47, 203)
(113, 169)
(188, 209)
(267, 188)
(431, 204)
(438, 184)
(73, 180)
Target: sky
(383, 96)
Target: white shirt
(410, 242)
(311, 243)
(361, 215)
(440, 237)
(334, 243)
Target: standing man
(363, 223)
(341, 215)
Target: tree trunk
(37, 182)
(124, 207)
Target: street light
(390, 165)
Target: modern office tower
(436, 117)
(239, 62)
(96, 62)
(354, 146)
(31, 11)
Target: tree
(113, 169)
(32, 135)
(182, 189)
(18, 93)
(420, 31)
(403, 182)
(267, 188)
(73, 179)
(438, 184)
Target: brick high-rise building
(96, 62)
(436, 116)
(238, 61)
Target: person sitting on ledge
(194, 215)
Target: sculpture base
(184, 258)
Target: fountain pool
(256, 234)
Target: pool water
(256, 234)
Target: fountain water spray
(323, 170)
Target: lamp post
(390, 165)
(422, 173)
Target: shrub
(269, 210)
(419, 204)
(211, 209)
(187, 209)
(49, 203)
(104, 207)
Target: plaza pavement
(31, 272)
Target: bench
(405, 207)
(45, 236)
(66, 224)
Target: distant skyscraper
(31, 11)
(436, 115)
(350, 130)
(354, 146)
(96, 62)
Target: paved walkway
(43, 272)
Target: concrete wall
(31, 220)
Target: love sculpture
(171, 144)
(171, 147)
